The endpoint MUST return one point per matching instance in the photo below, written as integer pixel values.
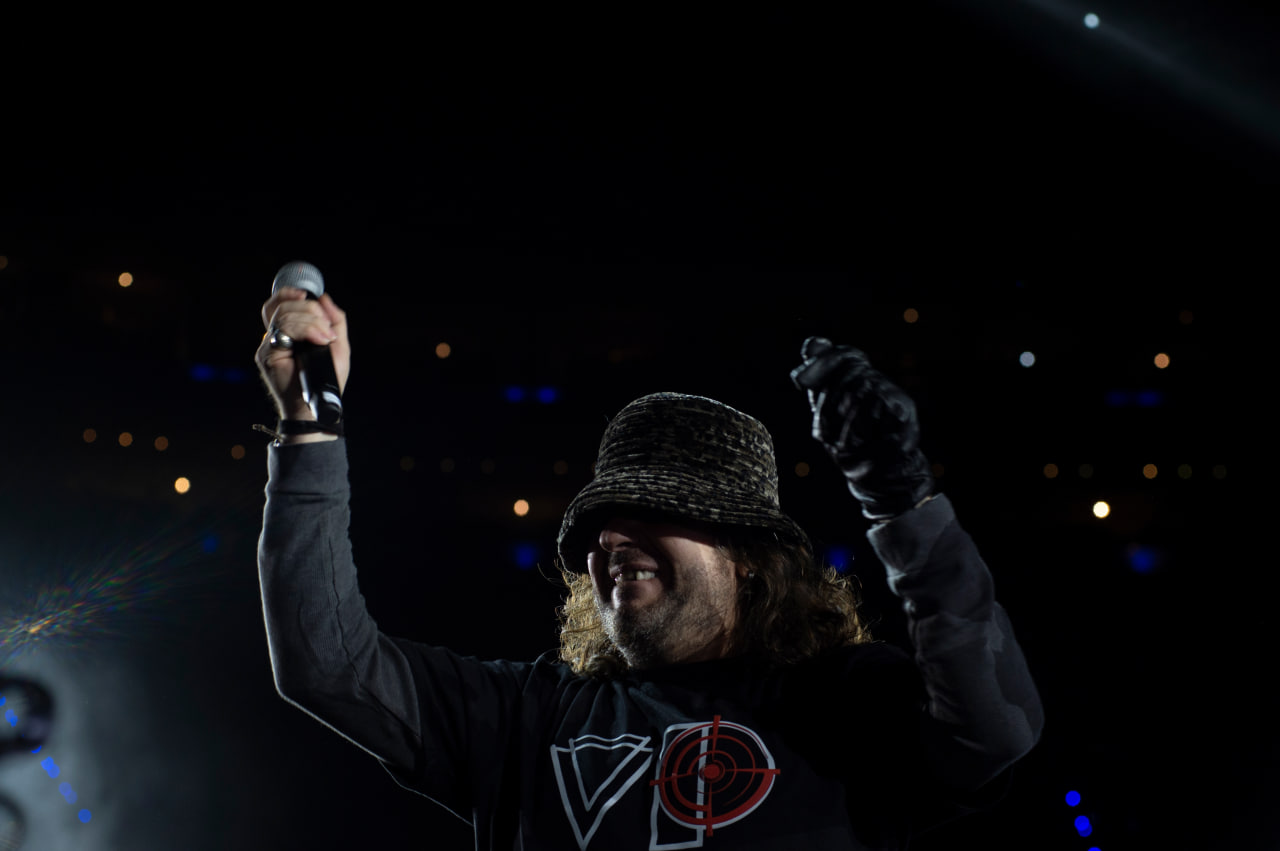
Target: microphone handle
(319, 382)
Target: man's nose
(618, 534)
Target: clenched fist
(308, 321)
(868, 425)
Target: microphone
(315, 363)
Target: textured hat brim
(665, 492)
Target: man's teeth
(628, 575)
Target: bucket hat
(684, 456)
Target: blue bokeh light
(1091, 21)
(514, 394)
(202, 372)
(1143, 559)
(839, 558)
(1073, 798)
(547, 395)
(1149, 398)
(84, 816)
(525, 554)
(209, 543)
(1083, 827)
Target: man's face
(664, 592)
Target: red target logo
(714, 774)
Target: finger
(835, 366)
(304, 320)
(281, 295)
(813, 347)
(337, 317)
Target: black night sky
(678, 213)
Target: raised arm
(437, 721)
(983, 712)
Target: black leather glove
(868, 425)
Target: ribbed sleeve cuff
(307, 468)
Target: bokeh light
(1150, 471)
(125, 438)
(182, 484)
(521, 507)
(525, 554)
(4, 261)
(1142, 559)
(443, 350)
(1086, 471)
(1083, 827)
(1219, 471)
(1092, 21)
(1073, 798)
(161, 443)
(1186, 317)
(1161, 360)
(911, 315)
(802, 469)
(90, 435)
(1101, 509)
(1184, 471)
(446, 465)
(560, 467)
(237, 451)
(1027, 359)
(840, 558)
(406, 463)
(1051, 471)
(487, 466)
(125, 279)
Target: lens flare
(106, 590)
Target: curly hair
(790, 609)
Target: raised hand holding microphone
(305, 356)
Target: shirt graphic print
(708, 775)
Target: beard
(682, 622)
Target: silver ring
(279, 339)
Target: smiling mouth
(634, 576)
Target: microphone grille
(304, 276)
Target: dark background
(607, 207)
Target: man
(715, 688)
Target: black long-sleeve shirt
(860, 748)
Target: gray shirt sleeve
(327, 655)
(983, 711)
